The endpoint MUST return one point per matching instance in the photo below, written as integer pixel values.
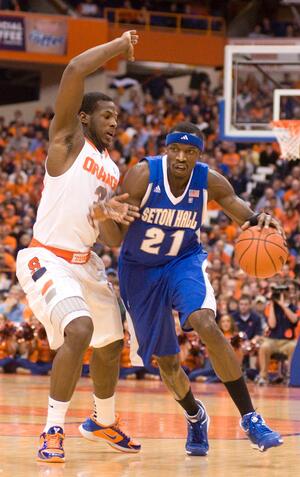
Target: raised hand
(131, 39)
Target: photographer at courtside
(282, 321)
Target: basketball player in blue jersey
(162, 267)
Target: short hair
(187, 127)
(90, 101)
(246, 297)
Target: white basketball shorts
(59, 292)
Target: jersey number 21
(154, 238)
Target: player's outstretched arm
(114, 226)
(66, 125)
(220, 190)
(71, 87)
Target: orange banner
(56, 39)
(48, 38)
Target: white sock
(104, 410)
(56, 413)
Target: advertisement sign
(12, 33)
(46, 35)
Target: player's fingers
(267, 221)
(261, 221)
(136, 215)
(246, 225)
(133, 208)
(129, 218)
(121, 197)
(123, 219)
(117, 218)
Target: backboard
(261, 83)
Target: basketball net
(287, 133)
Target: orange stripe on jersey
(94, 147)
(70, 256)
(47, 286)
(91, 144)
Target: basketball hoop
(287, 133)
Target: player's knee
(203, 321)
(79, 333)
(169, 365)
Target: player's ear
(84, 117)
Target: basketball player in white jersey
(63, 279)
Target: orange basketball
(261, 253)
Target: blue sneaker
(112, 435)
(261, 436)
(197, 438)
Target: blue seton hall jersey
(169, 226)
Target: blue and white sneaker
(261, 436)
(197, 438)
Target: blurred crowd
(270, 26)
(259, 317)
(255, 93)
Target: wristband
(254, 219)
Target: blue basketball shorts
(151, 293)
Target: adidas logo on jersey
(184, 137)
(157, 189)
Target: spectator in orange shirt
(33, 347)
(219, 252)
(7, 261)
(227, 227)
(293, 192)
(19, 186)
(291, 218)
(7, 240)
(10, 217)
(272, 208)
(231, 158)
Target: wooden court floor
(152, 417)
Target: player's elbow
(73, 68)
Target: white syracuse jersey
(63, 213)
